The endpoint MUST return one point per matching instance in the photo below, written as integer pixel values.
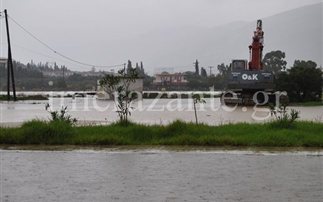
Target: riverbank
(307, 104)
(24, 97)
(302, 134)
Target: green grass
(302, 134)
(307, 104)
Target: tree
(196, 82)
(203, 73)
(307, 79)
(223, 69)
(148, 81)
(197, 69)
(61, 84)
(142, 67)
(303, 82)
(119, 86)
(129, 67)
(140, 70)
(56, 68)
(274, 61)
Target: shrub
(197, 99)
(283, 118)
(118, 86)
(61, 115)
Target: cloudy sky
(83, 30)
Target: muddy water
(162, 111)
(160, 175)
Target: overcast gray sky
(79, 28)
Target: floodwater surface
(160, 175)
(162, 111)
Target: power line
(79, 62)
(35, 52)
(56, 59)
(59, 60)
(58, 53)
(40, 54)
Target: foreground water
(162, 111)
(160, 175)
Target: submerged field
(301, 134)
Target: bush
(60, 116)
(283, 119)
(41, 132)
(118, 86)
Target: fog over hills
(163, 39)
(297, 32)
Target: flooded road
(160, 175)
(160, 111)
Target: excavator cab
(237, 65)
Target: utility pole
(10, 64)
(8, 81)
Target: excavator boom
(247, 78)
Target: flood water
(160, 175)
(156, 175)
(162, 111)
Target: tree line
(302, 81)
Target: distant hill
(298, 32)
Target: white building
(105, 94)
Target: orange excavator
(247, 82)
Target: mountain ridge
(298, 32)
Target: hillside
(298, 32)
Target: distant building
(167, 80)
(57, 73)
(3, 61)
(94, 73)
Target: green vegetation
(303, 82)
(118, 86)
(197, 99)
(307, 104)
(60, 116)
(302, 134)
(283, 117)
(24, 97)
(275, 62)
(38, 132)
